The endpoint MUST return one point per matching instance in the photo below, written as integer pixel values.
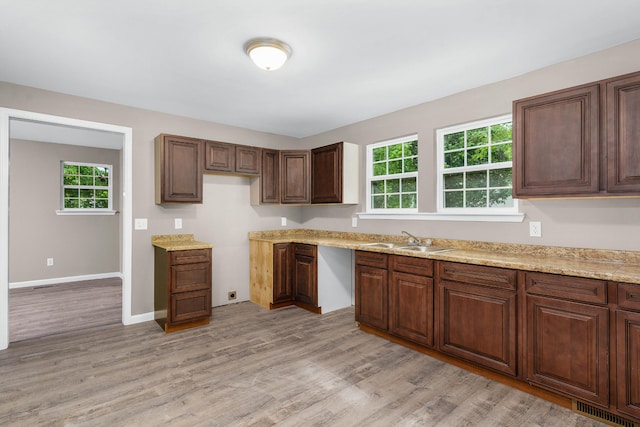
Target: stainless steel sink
(384, 245)
(426, 249)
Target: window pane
(102, 194)
(501, 132)
(453, 199)
(411, 165)
(102, 203)
(377, 187)
(411, 148)
(453, 141)
(379, 154)
(102, 181)
(478, 156)
(500, 178)
(86, 180)
(477, 179)
(86, 170)
(70, 192)
(476, 199)
(393, 201)
(103, 172)
(408, 185)
(86, 203)
(86, 194)
(500, 153)
(409, 201)
(500, 198)
(453, 181)
(454, 160)
(477, 137)
(393, 186)
(395, 151)
(378, 202)
(70, 180)
(70, 169)
(395, 166)
(379, 169)
(71, 203)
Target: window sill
(105, 212)
(506, 217)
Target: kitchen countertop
(613, 265)
(178, 242)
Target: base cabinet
(627, 336)
(371, 289)
(305, 275)
(282, 273)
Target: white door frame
(125, 210)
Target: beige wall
(79, 245)
(226, 215)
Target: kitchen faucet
(413, 240)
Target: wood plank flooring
(251, 367)
(45, 310)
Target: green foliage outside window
(85, 186)
(394, 183)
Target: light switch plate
(354, 221)
(178, 223)
(283, 221)
(535, 229)
(140, 224)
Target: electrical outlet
(178, 223)
(354, 221)
(283, 221)
(231, 295)
(535, 229)
(49, 262)
(140, 224)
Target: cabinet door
(247, 160)
(478, 324)
(623, 134)
(326, 174)
(187, 306)
(411, 307)
(190, 277)
(270, 177)
(178, 170)
(282, 273)
(371, 287)
(219, 156)
(556, 147)
(568, 347)
(628, 362)
(306, 275)
(295, 184)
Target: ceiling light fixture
(268, 54)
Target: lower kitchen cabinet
(411, 299)
(477, 315)
(371, 289)
(182, 288)
(305, 275)
(627, 337)
(282, 273)
(567, 336)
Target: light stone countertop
(178, 242)
(619, 266)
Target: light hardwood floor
(251, 367)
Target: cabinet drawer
(477, 275)
(190, 305)
(629, 296)
(372, 259)
(190, 257)
(303, 249)
(567, 287)
(411, 265)
(190, 277)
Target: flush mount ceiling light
(268, 54)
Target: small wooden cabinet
(305, 275)
(627, 347)
(230, 158)
(411, 299)
(567, 331)
(182, 288)
(247, 160)
(334, 173)
(295, 179)
(283, 291)
(178, 169)
(477, 315)
(266, 188)
(372, 289)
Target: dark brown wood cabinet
(372, 289)
(182, 288)
(178, 169)
(224, 157)
(269, 182)
(627, 348)
(582, 141)
(477, 315)
(411, 299)
(305, 275)
(283, 273)
(326, 174)
(247, 160)
(567, 343)
(295, 177)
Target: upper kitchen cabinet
(266, 188)
(231, 158)
(247, 160)
(623, 134)
(334, 173)
(579, 142)
(178, 169)
(295, 179)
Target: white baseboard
(140, 318)
(59, 280)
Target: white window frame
(86, 211)
(371, 177)
(441, 171)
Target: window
(86, 187)
(392, 175)
(474, 167)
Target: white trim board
(126, 133)
(61, 280)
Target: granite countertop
(178, 242)
(620, 266)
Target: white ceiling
(352, 59)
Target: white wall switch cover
(140, 224)
(283, 221)
(178, 223)
(354, 221)
(49, 262)
(535, 229)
